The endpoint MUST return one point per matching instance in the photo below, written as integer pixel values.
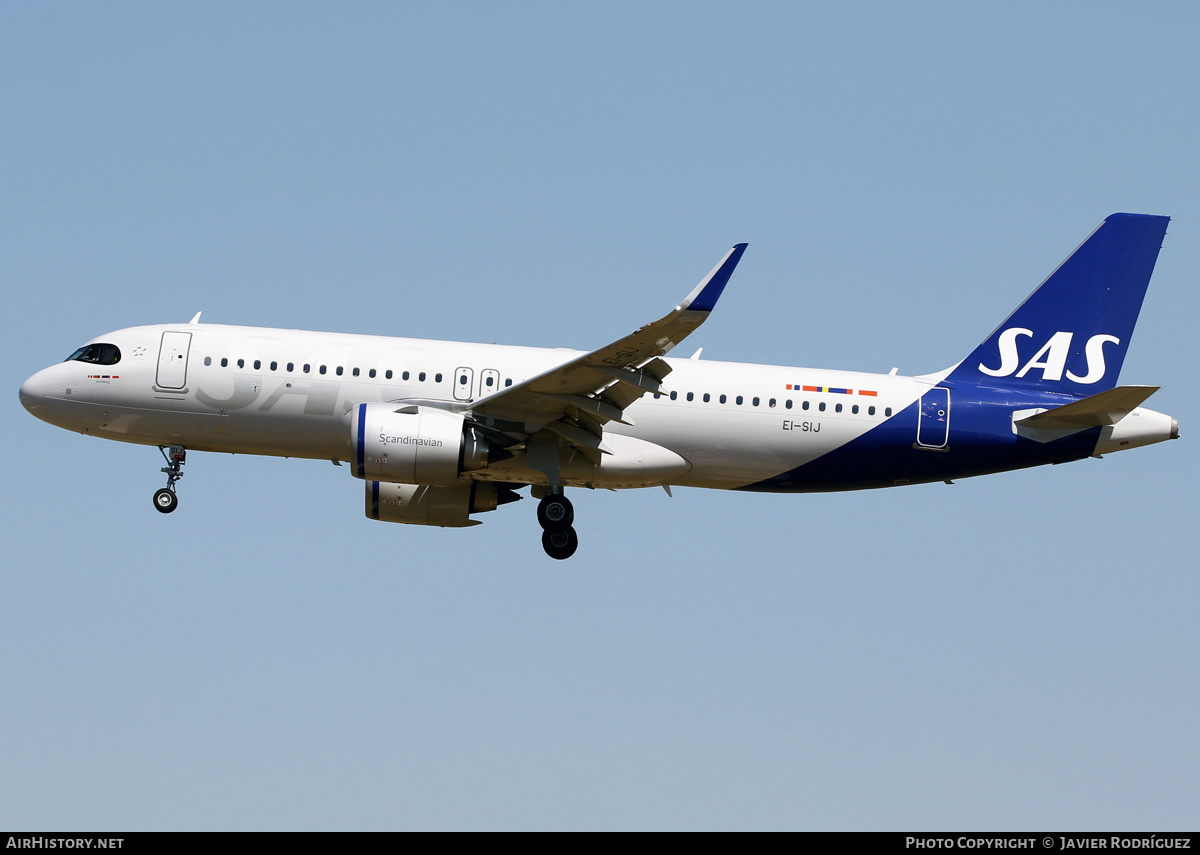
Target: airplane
(440, 431)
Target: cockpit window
(100, 354)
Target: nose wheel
(555, 515)
(165, 499)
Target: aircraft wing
(577, 398)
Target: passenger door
(172, 360)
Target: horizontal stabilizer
(1105, 408)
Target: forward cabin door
(172, 360)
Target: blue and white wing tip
(705, 295)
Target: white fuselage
(439, 431)
(289, 393)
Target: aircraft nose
(33, 392)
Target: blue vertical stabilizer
(1071, 334)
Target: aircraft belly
(728, 450)
(980, 440)
(278, 434)
(633, 463)
(238, 434)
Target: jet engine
(413, 445)
(421, 504)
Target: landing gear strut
(165, 499)
(555, 515)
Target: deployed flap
(629, 367)
(1105, 408)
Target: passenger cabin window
(508, 382)
(355, 372)
(788, 403)
(291, 366)
(322, 369)
(404, 376)
(338, 371)
(208, 360)
(257, 364)
(421, 376)
(674, 395)
(723, 399)
(98, 354)
(707, 397)
(691, 396)
(224, 362)
(274, 366)
(437, 378)
(371, 374)
(307, 368)
(388, 375)
(241, 363)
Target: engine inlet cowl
(413, 445)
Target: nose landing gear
(165, 499)
(555, 515)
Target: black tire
(165, 501)
(560, 543)
(554, 512)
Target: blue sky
(1018, 651)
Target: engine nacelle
(413, 445)
(421, 504)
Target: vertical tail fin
(1071, 334)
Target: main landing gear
(555, 515)
(165, 499)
